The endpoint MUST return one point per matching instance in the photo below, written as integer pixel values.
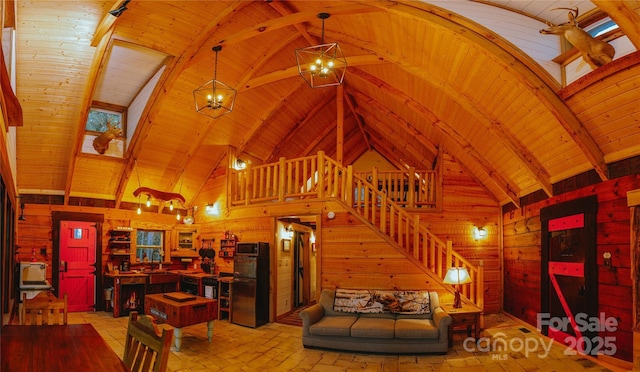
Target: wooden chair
(44, 309)
(146, 348)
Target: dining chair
(44, 309)
(146, 348)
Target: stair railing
(319, 176)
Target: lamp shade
(457, 275)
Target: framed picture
(286, 245)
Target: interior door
(569, 282)
(77, 264)
(301, 279)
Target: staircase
(319, 176)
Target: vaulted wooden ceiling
(474, 78)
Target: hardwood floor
(277, 347)
(292, 318)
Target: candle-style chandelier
(322, 65)
(214, 98)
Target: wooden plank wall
(36, 230)
(522, 257)
(353, 256)
(465, 205)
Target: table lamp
(457, 275)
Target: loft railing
(410, 189)
(319, 176)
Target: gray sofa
(384, 332)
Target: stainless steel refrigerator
(250, 288)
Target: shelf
(120, 242)
(190, 254)
(227, 248)
(224, 299)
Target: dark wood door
(569, 282)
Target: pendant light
(322, 65)
(214, 98)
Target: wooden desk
(467, 316)
(181, 313)
(74, 347)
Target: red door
(569, 274)
(78, 264)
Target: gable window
(105, 131)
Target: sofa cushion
(373, 328)
(374, 301)
(327, 297)
(415, 328)
(358, 301)
(333, 326)
(378, 315)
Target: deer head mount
(595, 52)
(101, 143)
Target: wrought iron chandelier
(214, 98)
(322, 65)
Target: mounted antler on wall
(159, 195)
(595, 52)
(101, 143)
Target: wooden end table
(176, 310)
(467, 316)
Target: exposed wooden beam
(352, 108)
(275, 106)
(212, 170)
(408, 151)
(519, 151)
(106, 24)
(318, 106)
(171, 75)
(537, 82)
(463, 145)
(293, 19)
(98, 62)
(286, 73)
(9, 17)
(340, 124)
(625, 14)
(283, 9)
(11, 109)
(313, 144)
(283, 44)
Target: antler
(575, 11)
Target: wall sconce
(607, 259)
(289, 231)
(479, 232)
(212, 209)
(240, 164)
(331, 215)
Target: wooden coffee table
(179, 309)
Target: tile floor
(277, 347)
